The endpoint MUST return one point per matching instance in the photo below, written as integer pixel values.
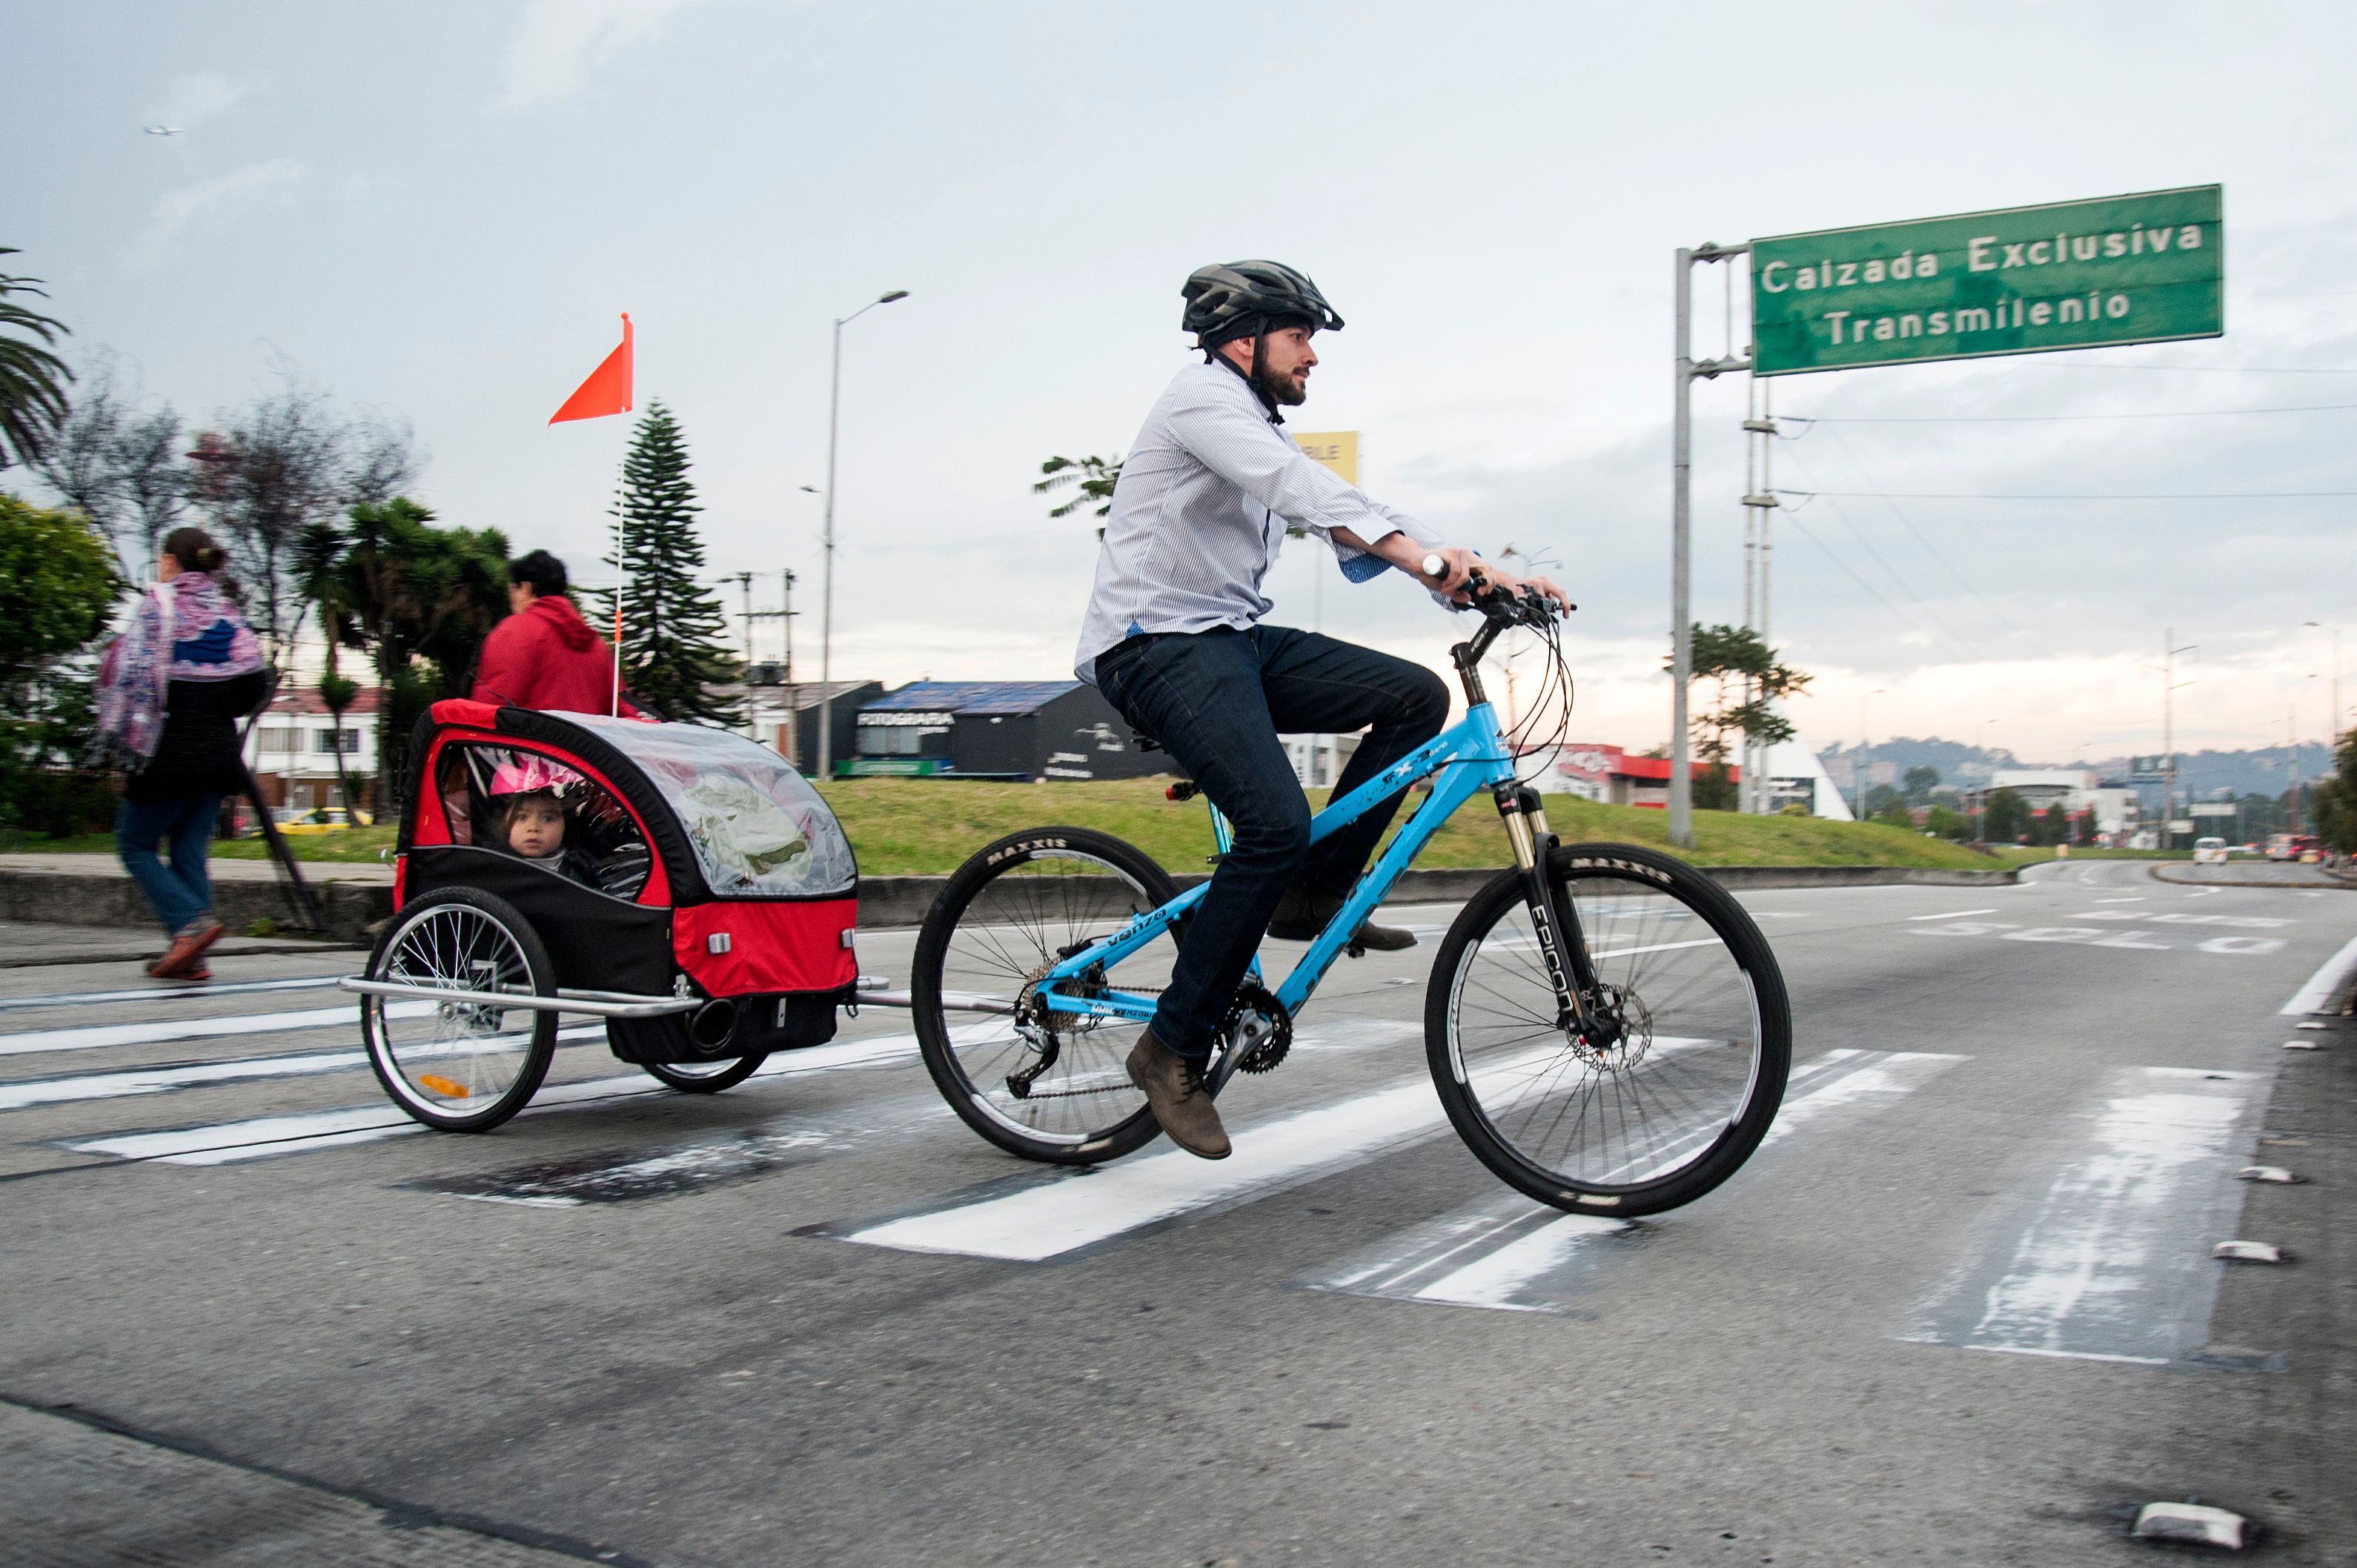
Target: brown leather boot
(1302, 916)
(1174, 1091)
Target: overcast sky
(438, 210)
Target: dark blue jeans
(182, 890)
(1217, 701)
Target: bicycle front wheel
(1675, 1089)
(1048, 1086)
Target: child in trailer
(532, 818)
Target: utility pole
(1688, 370)
(2168, 689)
(2291, 741)
(1759, 500)
(1861, 749)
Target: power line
(1806, 533)
(2043, 418)
(1958, 644)
(1933, 550)
(2199, 369)
(2115, 496)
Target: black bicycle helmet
(1245, 299)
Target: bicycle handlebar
(1526, 607)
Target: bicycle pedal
(1356, 950)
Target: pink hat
(529, 775)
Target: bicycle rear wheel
(1670, 1098)
(1048, 1086)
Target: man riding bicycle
(1173, 640)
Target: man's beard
(1282, 389)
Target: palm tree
(1095, 475)
(32, 379)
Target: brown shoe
(1174, 1091)
(1302, 916)
(187, 953)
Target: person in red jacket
(544, 655)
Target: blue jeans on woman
(182, 890)
(1217, 701)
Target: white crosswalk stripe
(165, 1031)
(2109, 1259)
(1508, 1254)
(259, 1137)
(162, 991)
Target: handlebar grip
(1433, 566)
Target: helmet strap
(1259, 371)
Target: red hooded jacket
(548, 657)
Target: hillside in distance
(2262, 771)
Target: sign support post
(1688, 371)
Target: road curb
(2158, 873)
(99, 898)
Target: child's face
(536, 829)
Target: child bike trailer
(683, 884)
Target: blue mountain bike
(1607, 1027)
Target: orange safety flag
(607, 390)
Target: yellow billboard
(1338, 449)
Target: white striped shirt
(1201, 511)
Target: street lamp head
(896, 293)
(811, 489)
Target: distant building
(291, 751)
(785, 718)
(1607, 774)
(1615, 777)
(996, 729)
(1319, 759)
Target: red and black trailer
(685, 884)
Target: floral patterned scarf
(186, 630)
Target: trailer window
(577, 830)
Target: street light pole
(2332, 730)
(1861, 748)
(827, 584)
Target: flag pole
(609, 390)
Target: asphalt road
(1961, 1309)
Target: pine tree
(672, 626)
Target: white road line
(167, 991)
(1062, 1216)
(229, 1142)
(1507, 1254)
(1957, 915)
(159, 1080)
(164, 1031)
(1657, 947)
(1084, 1207)
(2327, 982)
(2113, 1260)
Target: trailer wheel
(460, 1065)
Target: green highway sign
(2147, 268)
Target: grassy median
(911, 826)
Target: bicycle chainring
(1257, 1025)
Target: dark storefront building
(998, 729)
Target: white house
(291, 750)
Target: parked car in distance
(325, 820)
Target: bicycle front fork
(1562, 945)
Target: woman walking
(171, 690)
